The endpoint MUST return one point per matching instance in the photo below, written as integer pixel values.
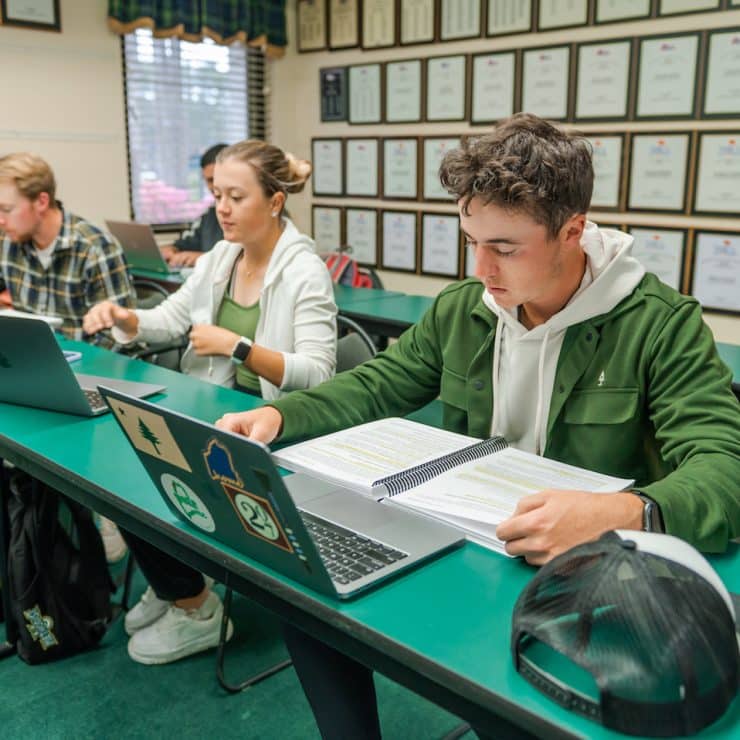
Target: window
(181, 98)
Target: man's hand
(262, 425)
(5, 299)
(184, 259)
(168, 251)
(548, 523)
(208, 339)
(108, 314)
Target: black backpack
(58, 582)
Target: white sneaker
(115, 547)
(147, 610)
(178, 633)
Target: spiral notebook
(474, 484)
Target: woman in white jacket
(262, 292)
(262, 317)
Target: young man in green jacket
(568, 349)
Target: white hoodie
(525, 360)
(297, 313)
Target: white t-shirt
(45, 255)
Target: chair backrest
(354, 345)
(148, 293)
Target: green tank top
(242, 320)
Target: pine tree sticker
(149, 435)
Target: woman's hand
(106, 315)
(208, 339)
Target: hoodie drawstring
(540, 394)
(496, 361)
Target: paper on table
(361, 456)
(487, 490)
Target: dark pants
(339, 689)
(169, 578)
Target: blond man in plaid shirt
(51, 261)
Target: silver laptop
(140, 246)
(330, 538)
(55, 321)
(35, 372)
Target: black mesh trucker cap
(635, 631)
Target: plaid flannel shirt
(87, 267)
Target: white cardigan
(297, 314)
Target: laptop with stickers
(325, 536)
(34, 371)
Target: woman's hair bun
(300, 171)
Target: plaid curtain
(253, 22)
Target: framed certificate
(666, 78)
(674, 7)
(546, 81)
(612, 11)
(327, 167)
(607, 159)
(378, 23)
(661, 252)
(459, 19)
(658, 172)
(434, 151)
(722, 83)
(446, 88)
(493, 87)
(344, 24)
(403, 89)
(718, 174)
(417, 21)
(363, 165)
(440, 244)
(400, 168)
(602, 81)
(334, 99)
(364, 93)
(716, 273)
(562, 14)
(509, 16)
(399, 240)
(311, 31)
(361, 228)
(326, 227)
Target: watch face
(242, 350)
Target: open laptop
(54, 321)
(140, 246)
(330, 538)
(35, 372)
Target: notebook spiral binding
(408, 479)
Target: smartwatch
(652, 519)
(241, 350)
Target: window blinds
(181, 98)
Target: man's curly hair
(526, 165)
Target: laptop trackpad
(131, 387)
(340, 505)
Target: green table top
(451, 616)
(730, 354)
(173, 279)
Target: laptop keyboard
(94, 399)
(347, 555)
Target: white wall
(296, 119)
(62, 97)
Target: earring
(274, 214)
